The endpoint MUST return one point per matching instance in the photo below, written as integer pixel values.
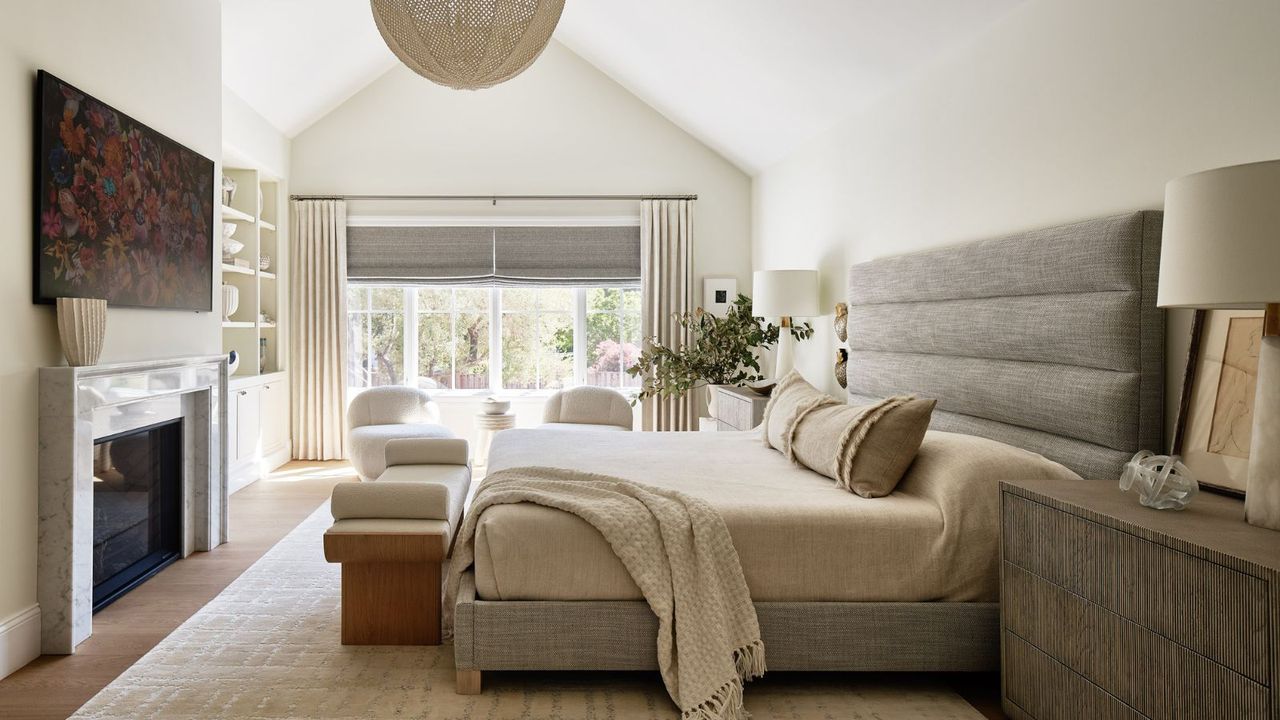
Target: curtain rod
(493, 198)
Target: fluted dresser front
(1110, 610)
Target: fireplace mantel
(78, 405)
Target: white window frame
(410, 335)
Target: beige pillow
(882, 458)
(791, 397)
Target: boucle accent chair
(391, 537)
(381, 414)
(588, 408)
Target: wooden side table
(1109, 609)
(489, 425)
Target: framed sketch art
(121, 211)
(1216, 424)
(718, 294)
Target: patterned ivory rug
(267, 647)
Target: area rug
(268, 647)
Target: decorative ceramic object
(1163, 482)
(842, 367)
(264, 262)
(494, 406)
(228, 190)
(262, 355)
(230, 301)
(82, 324)
(842, 322)
(233, 362)
(231, 246)
(228, 229)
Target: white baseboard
(19, 640)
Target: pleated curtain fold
(666, 271)
(318, 328)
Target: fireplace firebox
(137, 508)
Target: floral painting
(122, 212)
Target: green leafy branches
(723, 352)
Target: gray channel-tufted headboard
(1049, 340)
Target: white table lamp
(1221, 249)
(784, 294)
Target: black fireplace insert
(137, 508)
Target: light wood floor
(55, 686)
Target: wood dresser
(1109, 609)
(738, 408)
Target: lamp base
(1262, 491)
(786, 358)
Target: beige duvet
(798, 536)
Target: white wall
(1065, 110)
(248, 140)
(158, 61)
(562, 127)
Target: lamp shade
(1221, 243)
(784, 293)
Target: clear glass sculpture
(1163, 482)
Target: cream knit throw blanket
(678, 552)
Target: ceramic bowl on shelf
(228, 229)
(231, 246)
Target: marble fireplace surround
(81, 404)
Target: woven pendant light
(467, 44)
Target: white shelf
(267, 326)
(237, 324)
(230, 268)
(267, 225)
(234, 215)
(266, 275)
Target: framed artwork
(718, 294)
(122, 212)
(1215, 425)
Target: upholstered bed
(1047, 341)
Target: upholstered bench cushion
(368, 443)
(410, 492)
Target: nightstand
(1109, 609)
(738, 408)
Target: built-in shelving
(255, 209)
(231, 214)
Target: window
(492, 338)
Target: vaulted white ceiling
(750, 78)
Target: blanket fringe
(749, 661)
(724, 704)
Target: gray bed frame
(1048, 340)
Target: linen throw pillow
(866, 449)
(882, 459)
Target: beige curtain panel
(666, 272)
(318, 328)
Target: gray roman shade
(597, 256)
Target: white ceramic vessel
(82, 325)
(230, 301)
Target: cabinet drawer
(1213, 610)
(1146, 671)
(733, 410)
(1043, 688)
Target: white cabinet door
(275, 415)
(248, 422)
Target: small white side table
(488, 425)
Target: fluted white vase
(230, 300)
(82, 324)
